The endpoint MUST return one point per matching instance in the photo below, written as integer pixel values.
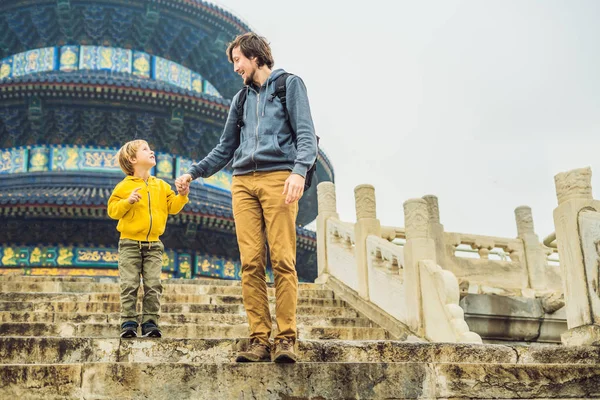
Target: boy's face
(246, 67)
(144, 157)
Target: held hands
(134, 197)
(183, 184)
(184, 191)
(294, 188)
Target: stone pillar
(577, 224)
(436, 229)
(535, 258)
(327, 209)
(366, 224)
(419, 246)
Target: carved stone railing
(443, 318)
(577, 224)
(362, 257)
(483, 271)
(341, 255)
(424, 273)
(386, 275)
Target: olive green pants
(259, 208)
(140, 259)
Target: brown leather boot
(256, 352)
(284, 352)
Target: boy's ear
(132, 160)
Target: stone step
(196, 281)
(66, 329)
(334, 380)
(33, 350)
(106, 308)
(29, 278)
(114, 318)
(172, 288)
(165, 299)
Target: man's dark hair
(251, 45)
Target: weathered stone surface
(512, 318)
(196, 281)
(553, 302)
(172, 288)
(37, 363)
(18, 350)
(165, 299)
(240, 381)
(40, 381)
(175, 319)
(558, 354)
(410, 380)
(66, 329)
(106, 308)
(54, 350)
(585, 335)
(22, 350)
(516, 381)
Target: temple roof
(193, 33)
(123, 80)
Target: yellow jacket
(145, 220)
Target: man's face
(246, 67)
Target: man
(271, 156)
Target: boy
(141, 203)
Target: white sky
(478, 102)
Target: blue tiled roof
(112, 79)
(193, 33)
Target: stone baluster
(535, 259)
(577, 224)
(366, 224)
(327, 209)
(419, 246)
(436, 229)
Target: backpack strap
(239, 106)
(280, 91)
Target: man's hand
(293, 188)
(134, 197)
(183, 184)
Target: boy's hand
(134, 197)
(294, 188)
(183, 183)
(184, 191)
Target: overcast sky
(478, 102)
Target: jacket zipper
(150, 212)
(257, 124)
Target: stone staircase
(59, 339)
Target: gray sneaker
(256, 352)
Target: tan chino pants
(259, 207)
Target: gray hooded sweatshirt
(265, 142)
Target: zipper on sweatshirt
(149, 212)
(256, 132)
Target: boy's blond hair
(127, 153)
